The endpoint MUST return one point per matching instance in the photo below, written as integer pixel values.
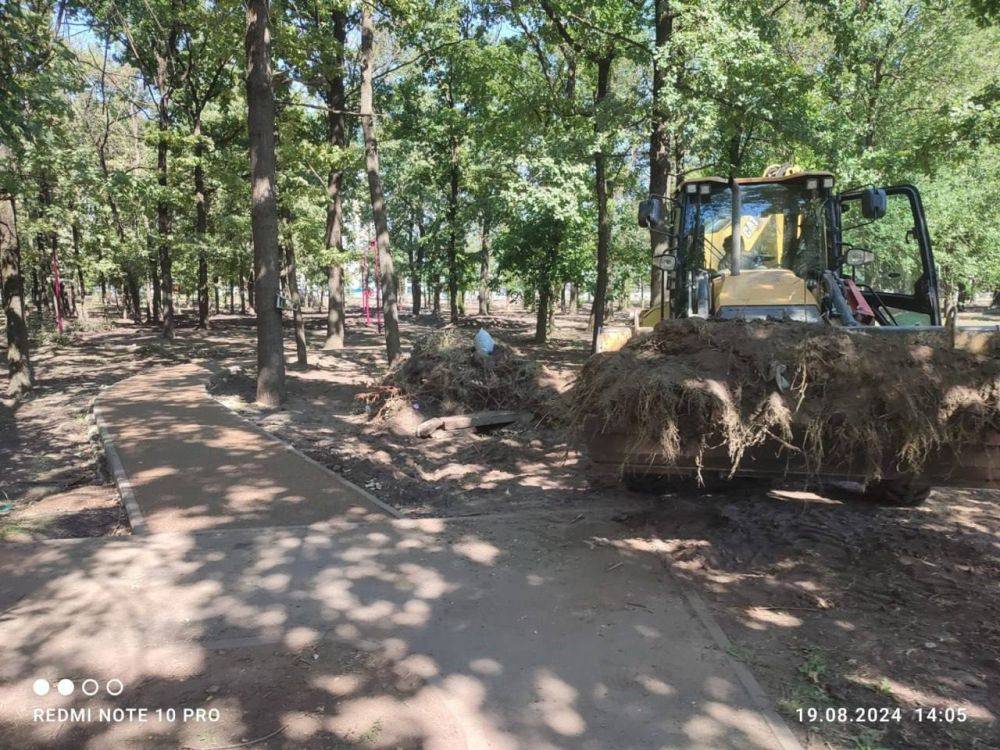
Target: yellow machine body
(762, 287)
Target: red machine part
(859, 305)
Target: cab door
(901, 284)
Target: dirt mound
(446, 375)
(886, 399)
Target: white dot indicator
(65, 687)
(90, 687)
(114, 687)
(41, 687)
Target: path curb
(135, 517)
(762, 701)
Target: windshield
(782, 227)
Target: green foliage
(500, 97)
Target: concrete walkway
(194, 465)
(357, 631)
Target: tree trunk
(574, 298)
(19, 371)
(291, 274)
(337, 132)
(154, 281)
(388, 281)
(163, 219)
(417, 270)
(659, 141)
(200, 224)
(484, 268)
(78, 262)
(601, 193)
(264, 206)
(52, 238)
(453, 231)
(436, 302)
(251, 289)
(542, 313)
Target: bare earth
(829, 601)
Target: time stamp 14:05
(884, 715)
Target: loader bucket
(617, 447)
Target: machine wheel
(906, 492)
(650, 484)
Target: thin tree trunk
(154, 280)
(264, 206)
(659, 140)
(390, 313)
(200, 224)
(21, 378)
(542, 313)
(337, 132)
(52, 238)
(163, 220)
(453, 230)
(485, 245)
(251, 290)
(601, 193)
(417, 270)
(574, 298)
(436, 303)
(78, 262)
(291, 276)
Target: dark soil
(832, 601)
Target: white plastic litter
(484, 342)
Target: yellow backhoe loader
(788, 247)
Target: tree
(390, 312)
(661, 145)
(206, 59)
(264, 206)
(12, 291)
(336, 102)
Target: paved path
(194, 465)
(358, 631)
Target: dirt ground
(831, 602)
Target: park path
(288, 600)
(193, 465)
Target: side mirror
(665, 262)
(651, 212)
(873, 203)
(859, 256)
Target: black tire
(903, 492)
(650, 484)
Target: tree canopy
(514, 136)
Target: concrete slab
(514, 633)
(193, 465)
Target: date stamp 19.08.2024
(880, 715)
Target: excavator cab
(796, 239)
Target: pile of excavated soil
(889, 400)
(446, 375)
